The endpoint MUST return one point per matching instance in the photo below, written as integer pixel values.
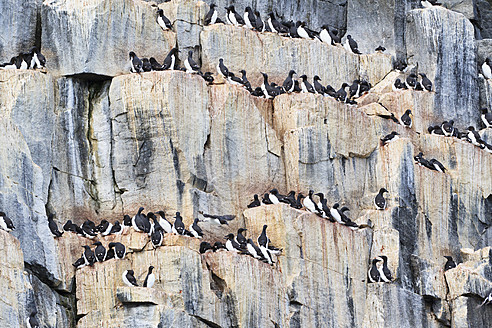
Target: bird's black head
(382, 190)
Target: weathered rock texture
(87, 140)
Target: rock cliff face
(85, 139)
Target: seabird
(384, 272)
(88, 256)
(447, 128)
(254, 250)
(119, 250)
(437, 165)
(309, 203)
(324, 35)
(105, 227)
(380, 49)
(318, 87)
(99, 252)
(190, 65)
(222, 69)
(249, 18)
(255, 202)
(486, 118)
(351, 44)
(232, 245)
(80, 263)
(195, 230)
(163, 21)
(211, 16)
(232, 17)
(474, 136)
(449, 263)
(335, 214)
(205, 246)
(259, 25)
(170, 60)
(129, 278)
(301, 31)
(217, 219)
(53, 227)
(390, 137)
(136, 63)
(412, 80)
(379, 201)
(150, 279)
(373, 273)
(116, 229)
(178, 226)
(341, 94)
(32, 321)
(289, 82)
(426, 83)
(5, 222)
(406, 120)
(164, 223)
(487, 68)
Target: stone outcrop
(84, 139)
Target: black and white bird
(211, 16)
(380, 201)
(406, 119)
(170, 60)
(249, 18)
(100, 252)
(190, 65)
(163, 21)
(301, 31)
(289, 82)
(205, 246)
(195, 230)
(32, 321)
(129, 278)
(6, 223)
(136, 65)
(474, 136)
(164, 223)
(380, 49)
(390, 137)
(105, 227)
(150, 279)
(335, 214)
(486, 118)
(384, 271)
(426, 83)
(232, 17)
(119, 250)
(53, 226)
(487, 68)
(318, 87)
(116, 229)
(88, 256)
(178, 226)
(450, 264)
(217, 219)
(255, 203)
(310, 204)
(231, 244)
(254, 250)
(437, 165)
(373, 273)
(351, 45)
(222, 69)
(263, 245)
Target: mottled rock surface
(84, 139)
